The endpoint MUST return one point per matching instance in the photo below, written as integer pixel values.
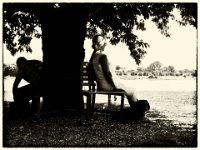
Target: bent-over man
(30, 71)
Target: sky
(179, 50)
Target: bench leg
(88, 113)
(90, 106)
(93, 102)
(109, 101)
(122, 108)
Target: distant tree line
(154, 70)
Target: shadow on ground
(65, 129)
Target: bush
(161, 74)
(140, 74)
(194, 73)
(153, 77)
(10, 70)
(145, 74)
(120, 74)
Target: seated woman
(101, 69)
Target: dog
(141, 108)
(136, 114)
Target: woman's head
(98, 42)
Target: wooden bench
(89, 90)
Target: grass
(64, 129)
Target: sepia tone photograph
(99, 74)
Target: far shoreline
(158, 78)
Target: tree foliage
(115, 20)
(118, 67)
(19, 29)
(155, 66)
(171, 69)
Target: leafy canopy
(18, 30)
(115, 20)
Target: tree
(140, 69)
(62, 87)
(194, 73)
(171, 69)
(155, 66)
(117, 67)
(70, 20)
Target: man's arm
(107, 72)
(16, 82)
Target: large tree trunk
(63, 34)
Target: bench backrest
(87, 82)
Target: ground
(64, 129)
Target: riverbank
(129, 77)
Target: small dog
(137, 113)
(141, 107)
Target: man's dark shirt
(30, 71)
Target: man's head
(98, 42)
(20, 61)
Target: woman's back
(102, 81)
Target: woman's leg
(139, 107)
(131, 96)
(130, 92)
(132, 100)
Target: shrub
(145, 74)
(140, 74)
(133, 73)
(10, 70)
(153, 77)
